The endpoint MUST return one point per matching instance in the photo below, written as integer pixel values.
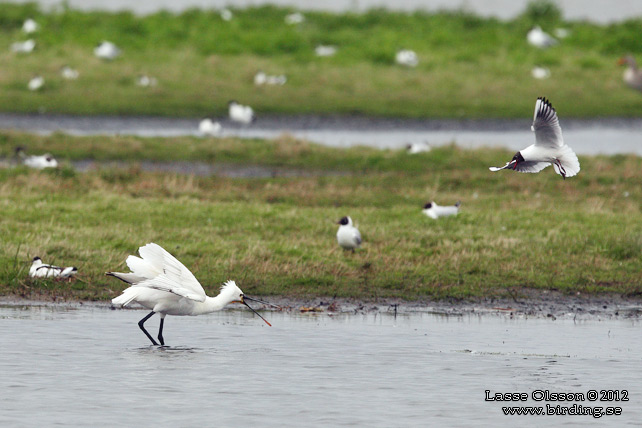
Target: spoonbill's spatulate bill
(163, 284)
(549, 147)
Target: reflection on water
(92, 366)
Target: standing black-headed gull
(549, 147)
(240, 113)
(632, 74)
(159, 282)
(432, 210)
(40, 270)
(348, 236)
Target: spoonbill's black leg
(160, 332)
(142, 327)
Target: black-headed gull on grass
(432, 210)
(549, 147)
(29, 26)
(159, 282)
(348, 236)
(40, 270)
(36, 162)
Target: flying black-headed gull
(432, 210)
(348, 236)
(208, 127)
(106, 50)
(40, 270)
(539, 38)
(549, 147)
(36, 162)
(240, 113)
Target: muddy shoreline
(529, 304)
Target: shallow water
(92, 367)
(586, 137)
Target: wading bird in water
(163, 284)
(549, 147)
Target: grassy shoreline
(276, 236)
(470, 67)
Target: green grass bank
(469, 67)
(276, 236)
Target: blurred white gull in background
(30, 26)
(209, 127)
(69, 73)
(106, 50)
(294, 18)
(325, 50)
(261, 78)
(540, 72)
(23, 47)
(538, 38)
(407, 58)
(36, 83)
(240, 113)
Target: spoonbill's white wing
(526, 166)
(173, 277)
(546, 126)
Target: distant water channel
(91, 366)
(586, 137)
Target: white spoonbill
(40, 270)
(348, 236)
(163, 284)
(549, 147)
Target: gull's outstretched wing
(175, 277)
(525, 166)
(546, 126)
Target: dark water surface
(90, 366)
